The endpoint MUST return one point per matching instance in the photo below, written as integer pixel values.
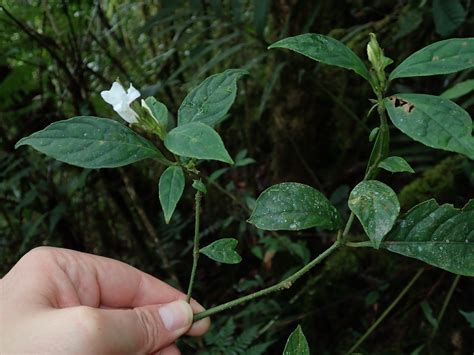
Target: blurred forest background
(293, 120)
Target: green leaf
(373, 133)
(443, 57)
(157, 110)
(433, 121)
(469, 316)
(409, 20)
(326, 50)
(448, 16)
(223, 251)
(396, 165)
(92, 142)
(296, 343)
(261, 15)
(171, 189)
(377, 208)
(209, 102)
(294, 206)
(442, 236)
(197, 140)
(199, 186)
(458, 90)
(379, 150)
(428, 312)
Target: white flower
(121, 100)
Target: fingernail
(176, 315)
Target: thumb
(144, 329)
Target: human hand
(62, 301)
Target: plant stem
(197, 216)
(365, 244)
(445, 304)
(285, 284)
(348, 226)
(381, 145)
(386, 312)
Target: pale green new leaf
(433, 121)
(209, 102)
(458, 90)
(223, 251)
(294, 206)
(92, 142)
(373, 133)
(442, 236)
(170, 187)
(379, 149)
(376, 206)
(443, 57)
(158, 111)
(326, 50)
(296, 343)
(197, 140)
(396, 165)
(199, 186)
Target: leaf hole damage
(405, 105)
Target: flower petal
(115, 95)
(132, 94)
(128, 114)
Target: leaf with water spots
(197, 140)
(434, 121)
(442, 236)
(209, 102)
(376, 206)
(443, 57)
(296, 343)
(294, 206)
(324, 49)
(223, 251)
(396, 165)
(92, 142)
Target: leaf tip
(20, 143)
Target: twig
(386, 312)
(149, 227)
(445, 305)
(285, 284)
(197, 197)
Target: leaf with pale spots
(376, 206)
(296, 343)
(223, 251)
(92, 142)
(443, 57)
(294, 206)
(442, 236)
(209, 102)
(434, 121)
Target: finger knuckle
(37, 255)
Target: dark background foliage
(300, 121)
